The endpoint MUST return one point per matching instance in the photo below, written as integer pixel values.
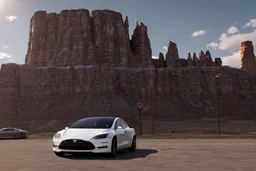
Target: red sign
(140, 105)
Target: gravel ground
(152, 154)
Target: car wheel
(23, 136)
(60, 154)
(133, 147)
(113, 147)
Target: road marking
(166, 148)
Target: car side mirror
(119, 127)
(66, 128)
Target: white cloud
(198, 33)
(232, 43)
(232, 30)
(165, 47)
(4, 55)
(251, 23)
(155, 57)
(232, 60)
(11, 18)
(5, 47)
(213, 45)
(223, 36)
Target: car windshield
(94, 123)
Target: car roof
(9, 128)
(101, 117)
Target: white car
(96, 135)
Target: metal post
(218, 107)
(140, 122)
(140, 107)
(152, 124)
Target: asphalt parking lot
(152, 154)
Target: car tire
(59, 154)
(134, 144)
(23, 136)
(113, 147)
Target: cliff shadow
(122, 155)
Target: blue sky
(167, 20)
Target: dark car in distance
(13, 133)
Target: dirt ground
(152, 154)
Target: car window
(94, 122)
(8, 129)
(124, 124)
(118, 123)
(2, 129)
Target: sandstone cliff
(80, 64)
(74, 37)
(65, 94)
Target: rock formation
(202, 58)
(208, 58)
(160, 62)
(218, 62)
(101, 38)
(80, 65)
(190, 61)
(140, 45)
(248, 59)
(195, 60)
(172, 55)
(173, 60)
(74, 37)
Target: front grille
(76, 145)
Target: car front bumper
(100, 146)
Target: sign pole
(218, 76)
(140, 107)
(140, 122)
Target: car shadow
(122, 155)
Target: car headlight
(57, 135)
(101, 136)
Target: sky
(215, 25)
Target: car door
(16, 133)
(8, 133)
(119, 134)
(127, 134)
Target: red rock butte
(248, 59)
(76, 37)
(82, 64)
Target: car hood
(84, 134)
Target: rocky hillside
(80, 64)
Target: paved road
(152, 155)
